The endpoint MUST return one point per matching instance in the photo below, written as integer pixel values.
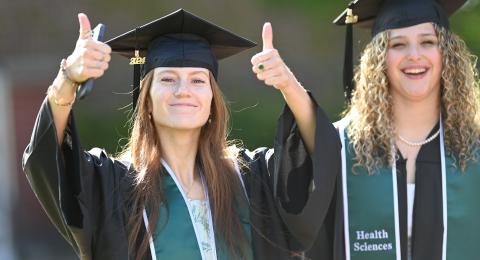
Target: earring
(209, 120)
(149, 116)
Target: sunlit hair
(371, 128)
(214, 158)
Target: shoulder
(342, 123)
(254, 155)
(101, 158)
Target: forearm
(303, 110)
(61, 95)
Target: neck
(179, 150)
(414, 120)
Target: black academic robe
(427, 230)
(85, 194)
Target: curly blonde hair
(371, 129)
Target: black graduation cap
(179, 39)
(381, 15)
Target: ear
(149, 104)
(147, 100)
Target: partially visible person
(407, 187)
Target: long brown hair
(223, 184)
(371, 128)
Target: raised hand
(90, 57)
(269, 66)
(89, 60)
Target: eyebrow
(191, 74)
(403, 36)
(199, 72)
(165, 71)
(428, 34)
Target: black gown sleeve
(290, 190)
(79, 190)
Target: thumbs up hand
(90, 57)
(269, 66)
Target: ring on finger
(261, 67)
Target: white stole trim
(346, 224)
(150, 239)
(444, 193)
(398, 249)
(185, 198)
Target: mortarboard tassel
(348, 64)
(135, 85)
(348, 84)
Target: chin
(417, 95)
(181, 122)
(416, 92)
(187, 125)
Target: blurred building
(8, 181)
(34, 236)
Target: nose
(182, 89)
(414, 52)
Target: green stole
(175, 232)
(371, 209)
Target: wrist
(62, 92)
(291, 86)
(59, 100)
(65, 74)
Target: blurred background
(36, 35)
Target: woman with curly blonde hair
(409, 174)
(371, 131)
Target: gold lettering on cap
(137, 59)
(350, 17)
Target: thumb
(267, 36)
(85, 27)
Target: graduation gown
(427, 230)
(85, 193)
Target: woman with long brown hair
(408, 185)
(179, 190)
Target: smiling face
(181, 98)
(414, 63)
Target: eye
(167, 80)
(397, 45)
(429, 43)
(198, 81)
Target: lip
(415, 76)
(183, 105)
